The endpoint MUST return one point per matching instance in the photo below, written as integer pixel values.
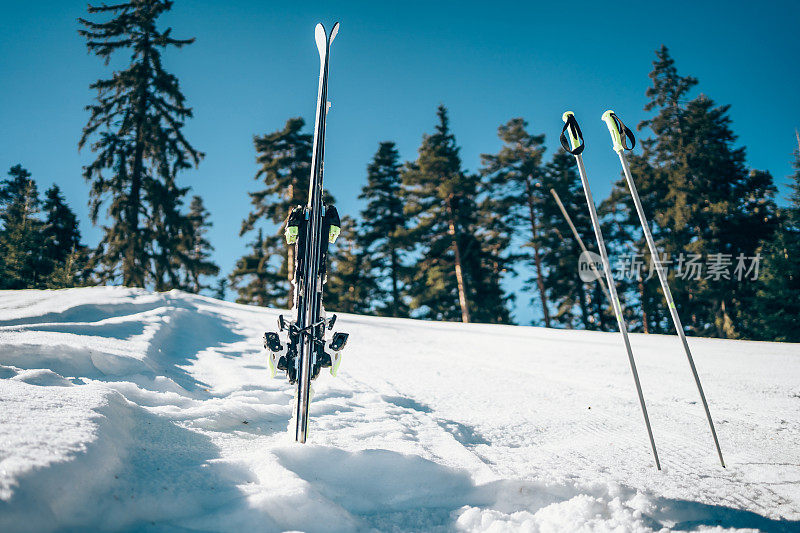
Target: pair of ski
(306, 344)
(620, 135)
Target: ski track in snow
(121, 409)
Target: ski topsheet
(310, 306)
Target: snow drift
(122, 409)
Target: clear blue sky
(255, 64)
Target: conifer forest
(434, 240)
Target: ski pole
(576, 138)
(620, 134)
(580, 241)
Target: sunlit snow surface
(126, 410)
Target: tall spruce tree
(774, 313)
(40, 242)
(167, 229)
(490, 266)
(352, 285)
(701, 197)
(61, 225)
(513, 191)
(21, 238)
(221, 288)
(453, 278)
(284, 159)
(496, 256)
(637, 284)
(576, 302)
(253, 279)
(137, 123)
(197, 248)
(383, 228)
(63, 248)
(623, 245)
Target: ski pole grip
(616, 136)
(620, 134)
(576, 144)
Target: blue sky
(255, 64)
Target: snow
(122, 409)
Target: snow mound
(128, 410)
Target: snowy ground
(122, 409)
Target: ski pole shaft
(618, 133)
(580, 241)
(576, 149)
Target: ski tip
(320, 37)
(334, 32)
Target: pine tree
(167, 230)
(575, 302)
(701, 197)
(38, 253)
(513, 190)
(137, 121)
(668, 95)
(352, 286)
(496, 258)
(637, 285)
(61, 225)
(773, 314)
(21, 237)
(284, 159)
(453, 277)
(63, 248)
(197, 247)
(221, 289)
(383, 227)
(65, 275)
(253, 279)
(486, 265)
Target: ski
(309, 305)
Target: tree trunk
(395, 288)
(261, 297)
(290, 274)
(536, 256)
(582, 302)
(132, 273)
(290, 253)
(724, 323)
(356, 305)
(195, 273)
(644, 309)
(462, 292)
(601, 315)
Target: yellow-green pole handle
(572, 138)
(616, 135)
